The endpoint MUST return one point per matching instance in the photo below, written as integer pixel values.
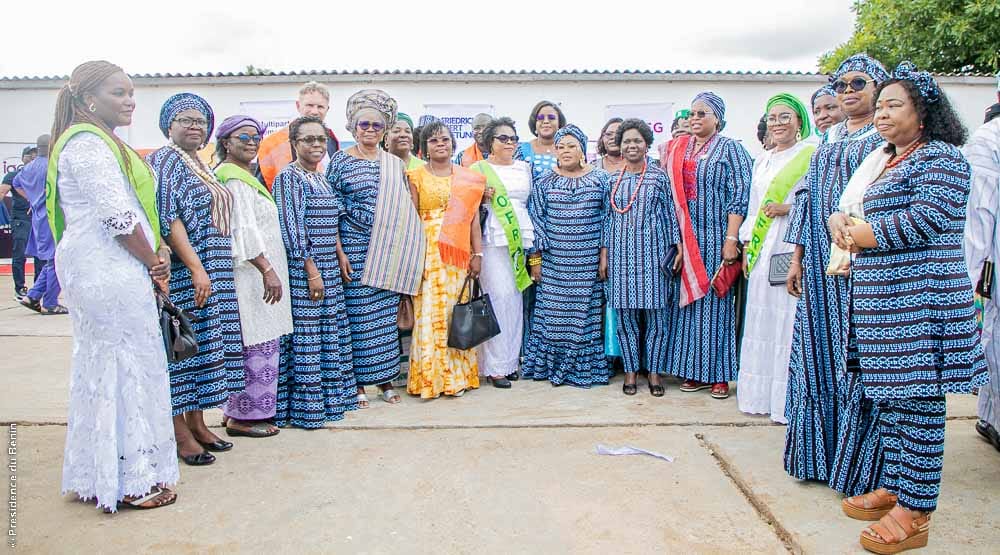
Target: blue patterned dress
(832, 433)
(565, 344)
(316, 384)
(372, 312)
(205, 380)
(703, 333)
(638, 242)
(913, 327)
(540, 163)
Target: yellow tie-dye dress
(434, 368)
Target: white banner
(658, 115)
(458, 117)
(274, 114)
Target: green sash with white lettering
(228, 170)
(776, 193)
(504, 212)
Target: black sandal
(201, 459)
(629, 389)
(656, 390)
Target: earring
(92, 107)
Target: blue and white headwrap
(925, 83)
(714, 102)
(822, 91)
(865, 64)
(574, 132)
(185, 101)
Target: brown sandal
(870, 506)
(157, 497)
(889, 535)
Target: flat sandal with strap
(870, 506)
(883, 536)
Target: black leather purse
(777, 271)
(179, 339)
(472, 322)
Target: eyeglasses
(856, 84)
(780, 119)
(188, 123)
(247, 138)
(375, 126)
(439, 141)
(507, 139)
(313, 140)
(609, 135)
(700, 114)
(550, 117)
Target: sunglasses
(507, 139)
(700, 114)
(550, 117)
(247, 138)
(856, 84)
(780, 119)
(313, 140)
(373, 125)
(188, 123)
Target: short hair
(600, 138)
(416, 144)
(533, 118)
(297, 123)
(430, 130)
(315, 87)
(940, 121)
(490, 132)
(762, 128)
(637, 124)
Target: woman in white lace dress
(120, 447)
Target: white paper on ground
(630, 450)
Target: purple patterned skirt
(256, 401)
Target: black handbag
(472, 322)
(777, 271)
(985, 285)
(179, 339)
(667, 264)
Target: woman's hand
(678, 260)
(202, 286)
(475, 266)
(272, 287)
(776, 210)
(317, 289)
(488, 195)
(793, 283)
(838, 224)
(160, 270)
(345, 268)
(730, 252)
(602, 265)
(536, 272)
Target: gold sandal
(870, 506)
(889, 535)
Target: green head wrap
(683, 114)
(400, 116)
(795, 104)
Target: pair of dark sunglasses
(856, 84)
(376, 126)
(550, 117)
(247, 138)
(507, 139)
(700, 114)
(313, 140)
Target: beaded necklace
(635, 194)
(899, 159)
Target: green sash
(504, 211)
(140, 178)
(228, 171)
(776, 193)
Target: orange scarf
(471, 155)
(467, 186)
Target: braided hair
(70, 107)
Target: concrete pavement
(492, 472)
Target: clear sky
(50, 37)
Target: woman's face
(400, 139)
(783, 125)
(242, 144)
(703, 121)
(310, 143)
(633, 146)
(569, 153)
(114, 100)
(896, 117)
(189, 129)
(827, 112)
(547, 122)
(369, 129)
(609, 139)
(439, 146)
(504, 150)
(857, 102)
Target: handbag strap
(465, 285)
